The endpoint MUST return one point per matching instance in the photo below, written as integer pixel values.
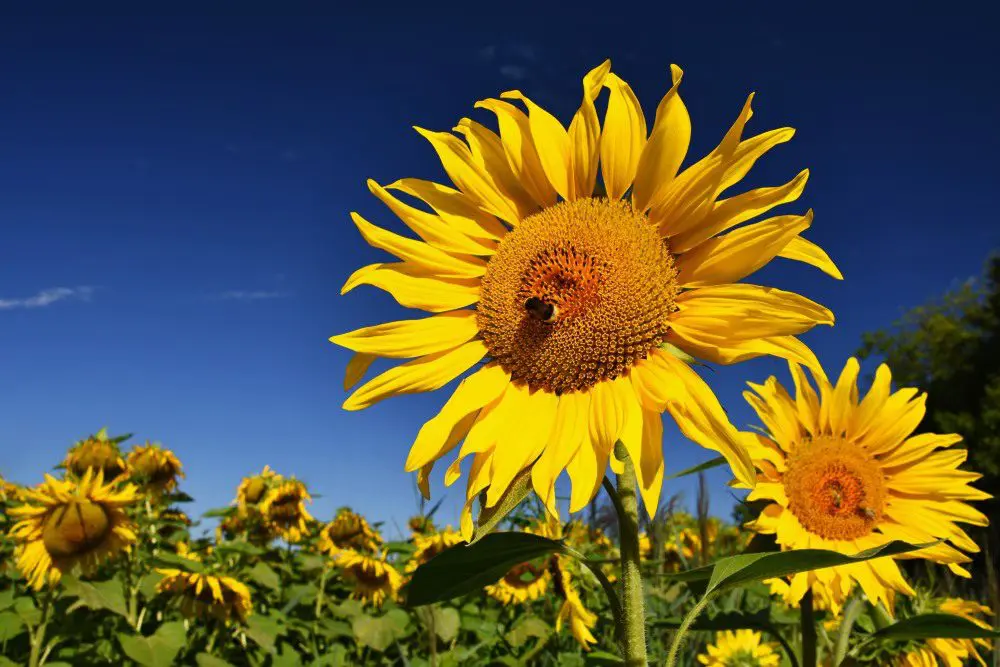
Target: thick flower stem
(38, 635)
(808, 621)
(633, 635)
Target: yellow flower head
(9, 491)
(284, 509)
(349, 531)
(421, 525)
(156, 469)
(97, 452)
(844, 473)
(374, 579)
(957, 652)
(586, 301)
(172, 521)
(429, 546)
(69, 523)
(740, 648)
(253, 489)
(580, 619)
(523, 583)
(203, 596)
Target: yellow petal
(801, 250)
(741, 311)
(551, 141)
(433, 229)
(455, 208)
(806, 401)
(585, 135)
(489, 153)
(844, 397)
(522, 155)
(663, 153)
(518, 446)
(784, 347)
(412, 338)
(418, 253)
(623, 137)
(567, 434)
(356, 369)
(472, 394)
(424, 374)
(729, 258)
(917, 448)
(872, 404)
(586, 472)
(899, 419)
(415, 287)
(473, 180)
(651, 465)
(607, 413)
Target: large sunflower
(348, 532)
(156, 469)
(845, 474)
(68, 523)
(522, 583)
(584, 304)
(97, 452)
(375, 580)
(205, 596)
(427, 546)
(740, 648)
(284, 509)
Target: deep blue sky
(186, 182)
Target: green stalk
(682, 631)
(808, 622)
(38, 635)
(633, 632)
(851, 613)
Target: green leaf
(209, 660)
(601, 658)
(349, 608)
(264, 630)
(727, 573)
(147, 585)
(157, 650)
(178, 497)
(446, 622)
(406, 548)
(97, 595)
(525, 628)
(26, 609)
(7, 599)
(935, 626)
(218, 512)
(489, 517)
(707, 465)
(310, 562)
(380, 632)
(265, 576)
(7, 662)
(722, 621)
(239, 548)
(11, 625)
(465, 568)
(334, 629)
(172, 560)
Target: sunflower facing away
(374, 579)
(430, 545)
(69, 523)
(205, 596)
(844, 473)
(97, 452)
(252, 489)
(585, 305)
(739, 648)
(156, 469)
(349, 531)
(284, 509)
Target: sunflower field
(575, 281)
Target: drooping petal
(356, 368)
(423, 374)
(418, 253)
(519, 447)
(585, 135)
(412, 338)
(415, 287)
(623, 137)
(586, 472)
(651, 465)
(665, 150)
(568, 431)
(719, 351)
(522, 154)
(801, 250)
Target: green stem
(808, 622)
(679, 636)
(38, 636)
(851, 613)
(322, 592)
(633, 635)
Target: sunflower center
(76, 527)
(835, 489)
(576, 294)
(523, 575)
(372, 578)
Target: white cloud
(48, 297)
(258, 295)
(514, 72)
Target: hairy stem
(633, 632)
(675, 646)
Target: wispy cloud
(48, 297)
(513, 72)
(258, 295)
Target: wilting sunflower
(172, 521)
(69, 523)
(98, 452)
(154, 468)
(253, 489)
(584, 304)
(580, 619)
(284, 509)
(739, 648)
(429, 546)
(205, 596)
(844, 474)
(374, 579)
(349, 531)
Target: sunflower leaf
(265, 576)
(707, 465)
(490, 517)
(157, 650)
(97, 595)
(466, 568)
(935, 626)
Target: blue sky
(175, 190)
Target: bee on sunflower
(844, 473)
(64, 524)
(587, 305)
(374, 579)
(740, 648)
(283, 508)
(97, 452)
(156, 470)
(349, 531)
(203, 596)
(427, 546)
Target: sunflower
(205, 596)
(252, 489)
(348, 531)
(421, 525)
(740, 648)
(580, 619)
(284, 509)
(586, 307)
(156, 469)
(374, 579)
(844, 474)
(97, 452)
(429, 546)
(69, 523)
(523, 583)
(172, 521)
(949, 652)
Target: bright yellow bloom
(918, 657)
(523, 583)
(184, 551)
(374, 579)
(585, 308)
(156, 469)
(96, 452)
(581, 620)
(284, 509)
(429, 546)
(348, 531)
(69, 523)
(740, 648)
(205, 596)
(843, 474)
(9, 491)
